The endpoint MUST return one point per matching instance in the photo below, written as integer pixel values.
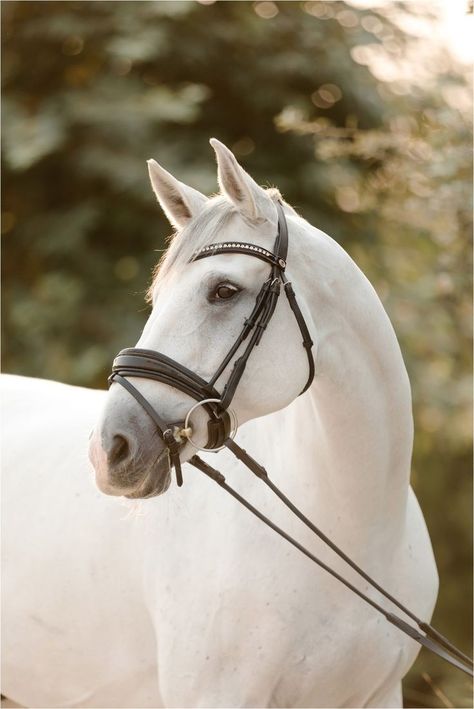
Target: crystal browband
(240, 247)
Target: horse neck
(349, 438)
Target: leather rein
(222, 424)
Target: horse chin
(155, 482)
(151, 488)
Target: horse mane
(200, 231)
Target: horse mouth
(156, 481)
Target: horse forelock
(199, 232)
(204, 229)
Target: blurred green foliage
(308, 96)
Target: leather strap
(234, 247)
(457, 658)
(266, 311)
(249, 324)
(141, 362)
(260, 472)
(307, 341)
(163, 428)
(281, 243)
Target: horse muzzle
(148, 364)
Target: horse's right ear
(251, 200)
(179, 202)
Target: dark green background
(93, 89)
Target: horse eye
(225, 291)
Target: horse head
(200, 307)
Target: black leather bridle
(135, 362)
(149, 364)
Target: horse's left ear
(179, 202)
(249, 198)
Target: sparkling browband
(240, 247)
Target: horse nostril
(119, 450)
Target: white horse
(191, 602)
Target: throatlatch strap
(307, 341)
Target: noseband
(148, 364)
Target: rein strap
(433, 640)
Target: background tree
(364, 127)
